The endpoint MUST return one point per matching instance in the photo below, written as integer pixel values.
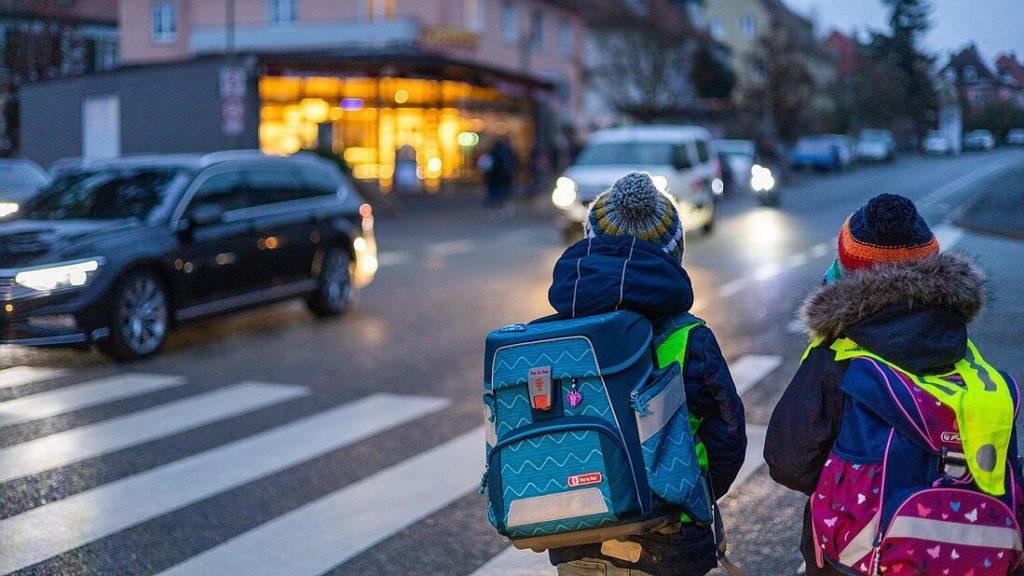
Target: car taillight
(366, 211)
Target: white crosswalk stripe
(333, 529)
(54, 402)
(751, 369)
(78, 444)
(55, 528)
(21, 375)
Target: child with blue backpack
(894, 426)
(631, 259)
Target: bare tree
(642, 58)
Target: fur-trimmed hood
(914, 314)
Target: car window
(633, 153)
(318, 181)
(702, 152)
(272, 185)
(682, 157)
(109, 194)
(226, 190)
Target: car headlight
(564, 194)
(761, 179)
(8, 208)
(661, 183)
(66, 275)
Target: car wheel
(335, 293)
(709, 226)
(139, 317)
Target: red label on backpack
(584, 479)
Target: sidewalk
(1000, 210)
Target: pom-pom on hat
(888, 229)
(633, 206)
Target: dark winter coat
(608, 273)
(914, 315)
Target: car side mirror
(203, 215)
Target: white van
(680, 159)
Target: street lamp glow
(565, 192)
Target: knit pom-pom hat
(888, 229)
(633, 206)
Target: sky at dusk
(996, 26)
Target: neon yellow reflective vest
(983, 406)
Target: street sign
(232, 113)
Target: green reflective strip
(814, 344)
(983, 409)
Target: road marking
(386, 259)
(962, 183)
(797, 260)
(819, 250)
(71, 398)
(21, 375)
(55, 528)
(948, 235)
(79, 444)
(755, 454)
(515, 562)
(796, 326)
(730, 289)
(751, 369)
(451, 248)
(331, 530)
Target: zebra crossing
(318, 536)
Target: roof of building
(969, 56)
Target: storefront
(429, 117)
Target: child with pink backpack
(895, 426)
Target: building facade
(45, 39)
(437, 80)
(979, 84)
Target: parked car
(736, 158)
(20, 180)
(979, 140)
(1015, 137)
(117, 253)
(876, 145)
(682, 161)
(827, 152)
(936, 143)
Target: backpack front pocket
(567, 475)
(951, 531)
(666, 437)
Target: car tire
(709, 226)
(139, 317)
(335, 293)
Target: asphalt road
(271, 443)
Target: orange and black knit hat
(886, 230)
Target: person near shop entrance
(499, 166)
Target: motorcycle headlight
(65, 275)
(564, 194)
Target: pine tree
(908, 22)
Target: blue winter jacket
(608, 273)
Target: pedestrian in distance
(894, 426)
(499, 166)
(631, 259)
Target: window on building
(717, 29)
(282, 11)
(565, 36)
(537, 30)
(509, 22)
(748, 26)
(165, 22)
(475, 15)
(970, 73)
(377, 9)
(106, 55)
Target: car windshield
(609, 153)
(110, 194)
(735, 148)
(21, 176)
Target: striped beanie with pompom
(886, 230)
(633, 206)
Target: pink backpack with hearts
(897, 496)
